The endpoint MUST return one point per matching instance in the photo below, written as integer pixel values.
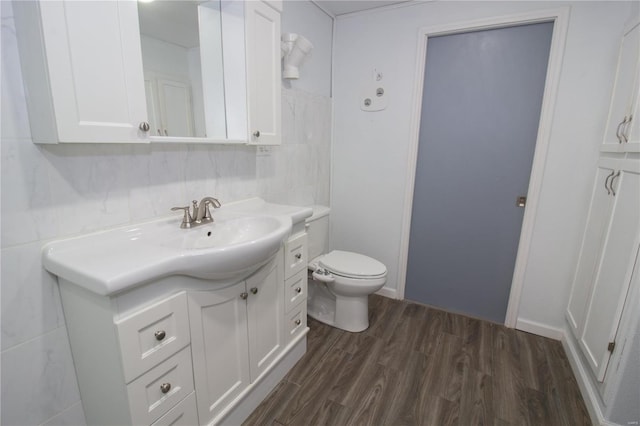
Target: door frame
(560, 19)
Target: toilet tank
(318, 231)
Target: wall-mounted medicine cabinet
(165, 71)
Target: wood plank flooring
(421, 366)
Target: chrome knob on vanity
(160, 334)
(244, 295)
(298, 289)
(298, 322)
(256, 133)
(165, 387)
(144, 126)
(254, 290)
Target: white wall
(370, 152)
(57, 191)
(304, 18)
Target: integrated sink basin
(232, 247)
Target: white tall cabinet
(604, 277)
(607, 258)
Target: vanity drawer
(295, 290)
(295, 255)
(157, 391)
(296, 321)
(152, 335)
(184, 413)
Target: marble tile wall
(297, 172)
(51, 192)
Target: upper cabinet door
(263, 73)
(82, 64)
(621, 131)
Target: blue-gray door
(480, 113)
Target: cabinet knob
(160, 334)
(298, 322)
(298, 289)
(144, 126)
(256, 133)
(243, 295)
(254, 290)
(298, 256)
(165, 387)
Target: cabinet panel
(92, 69)
(612, 278)
(263, 73)
(296, 255)
(184, 413)
(625, 94)
(295, 290)
(220, 349)
(153, 334)
(296, 321)
(265, 316)
(597, 222)
(157, 391)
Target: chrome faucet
(200, 213)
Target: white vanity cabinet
(609, 247)
(197, 353)
(622, 133)
(82, 67)
(237, 334)
(262, 31)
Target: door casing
(560, 18)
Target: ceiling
(340, 7)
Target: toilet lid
(353, 265)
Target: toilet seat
(352, 265)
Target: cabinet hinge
(611, 346)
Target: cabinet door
(175, 107)
(597, 222)
(220, 350)
(263, 73)
(265, 315)
(95, 70)
(613, 275)
(623, 89)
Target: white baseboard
(540, 329)
(391, 293)
(587, 389)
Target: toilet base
(346, 313)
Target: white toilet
(341, 281)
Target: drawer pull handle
(298, 256)
(254, 290)
(298, 289)
(160, 334)
(298, 322)
(243, 296)
(165, 387)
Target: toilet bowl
(340, 282)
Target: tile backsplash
(56, 191)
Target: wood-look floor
(421, 366)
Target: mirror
(194, 69)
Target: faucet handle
(186, 219)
